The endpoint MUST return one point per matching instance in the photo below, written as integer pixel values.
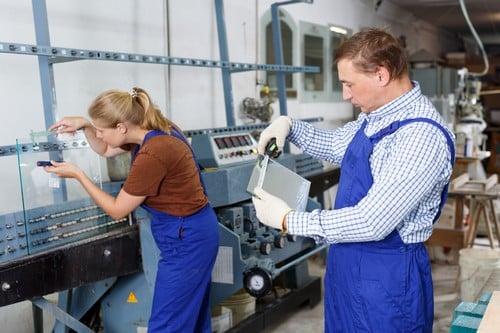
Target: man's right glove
(278, 129)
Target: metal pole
(224, 56)
(278, 57)
(45, 67)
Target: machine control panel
(214, 150)
(52, 226)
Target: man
(396, 160)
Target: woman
(165, 180)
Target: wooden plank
(478, 188)
(485, 184)
(459, 181)
(491, 320)
(448, 238)
(470, 188)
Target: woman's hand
(69, 125)
(64, 169)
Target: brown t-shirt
(164, 170)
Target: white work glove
(278, 129)
(270, 209)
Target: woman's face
(113, 136)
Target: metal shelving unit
(49, 55)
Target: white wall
(196, 97)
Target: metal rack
(49, 55)
(124, 243)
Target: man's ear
(383, 75)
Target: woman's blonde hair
(135, 107)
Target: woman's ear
(121, 128)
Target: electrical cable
(478, 41)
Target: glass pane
(313, 56)
(280, 181)
(53, 211)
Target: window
(288, 33)
(315, 45)
(337, 36)
(319, 45)
(314, 56)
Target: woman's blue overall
(380, 286)
(188, 249)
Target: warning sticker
(131, 298)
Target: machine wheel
(257, 282)
(265, 248)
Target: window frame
(285, 18)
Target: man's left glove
(270, 209)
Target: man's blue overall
(380, 286)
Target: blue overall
(188, 249)
(380, 286)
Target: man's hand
(270, 209)
(278, 129)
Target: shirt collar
(396, 105)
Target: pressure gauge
(257, 282)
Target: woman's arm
(72, 124)
(117, 208)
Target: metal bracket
(60, 315)
(61, 54)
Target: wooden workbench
(479, 196)
(482, 195)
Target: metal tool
(272, 149)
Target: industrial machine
(58, 240)
(470, 116)
(456, 95)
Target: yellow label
(131, 298)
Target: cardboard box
(222, 319)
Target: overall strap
(148, 136)
(175, 132)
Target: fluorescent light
(338, 30)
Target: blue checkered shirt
(409, 167)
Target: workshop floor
(446, 298)
(305, 319)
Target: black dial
(257, 282)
